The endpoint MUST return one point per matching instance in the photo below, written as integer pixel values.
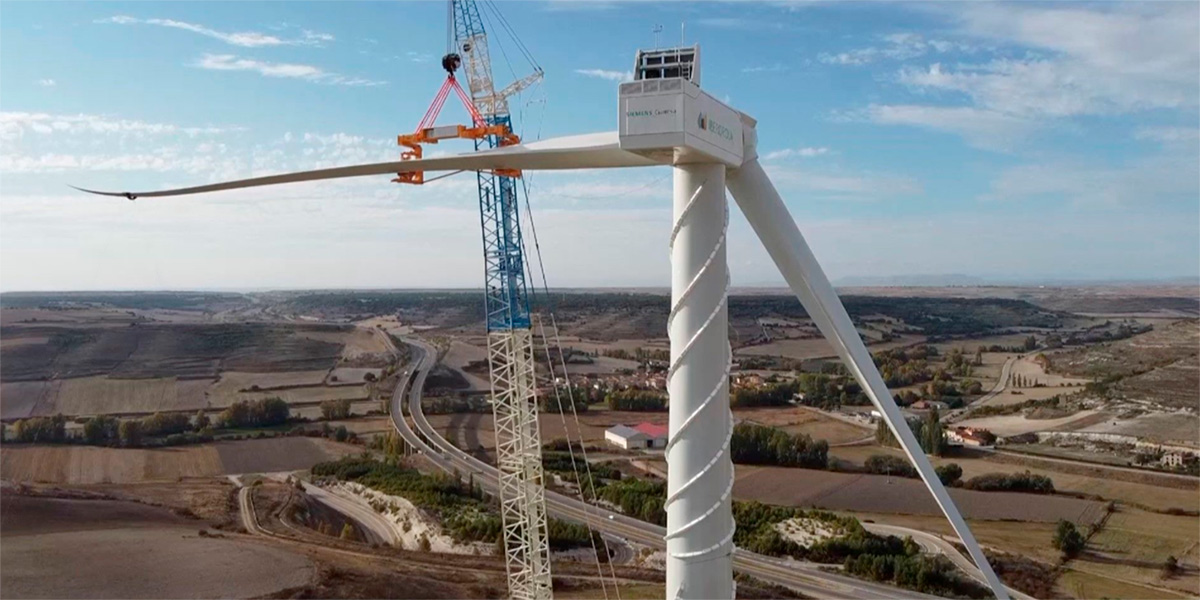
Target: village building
(971, 436)
(1172, 459)
(929, 404)
(625, 437)
(656, 434)
(644, 435)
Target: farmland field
(109, 395)
(1094, 583)
(232, 382)
(65, 548)
(807, 421)
(103, 395)
(804, 349)
(878, 493)
(1006, 425)
(1134, 544)
(186, 350)
(351, 375)
(1178, 427)
(90, 464)
(474, 432)
(1146, 489)
(357, 343)
(1161, 366)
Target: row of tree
(174, 428)
(754, 444)
(1011, 482)
(927, 430)
(264, 412)
(335, 409)
(636, 400)
(164, 428)
(886, 464)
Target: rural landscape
(600, 299)
(293, 439)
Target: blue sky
(1004, 141)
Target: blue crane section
(505, 297)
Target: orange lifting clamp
(426, 133)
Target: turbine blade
(590, 151)
(767, 214)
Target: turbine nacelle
(673, 121)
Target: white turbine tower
(666, 119)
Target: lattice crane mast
(510, 339)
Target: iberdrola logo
(713, 127)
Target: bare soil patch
(279, 454)
(159, 350)
(89, 464)
(63, 548)
(1161, 365)
(1147, 489)
(877, 493)
(804, 420)
(1008, 425)
(1178, 427)
(1133, 545)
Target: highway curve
(803, 577)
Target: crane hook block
(451, 62)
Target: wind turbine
(666, 119)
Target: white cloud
(861, 56)
(57, 163)
(47, 82)
(840, 185)
(245, 39)
(229, 62)
(578, 5)
(1138, 183)
(896, 46)
(1169, 135)
(618, 76)
(982, 128)
(418, 57)
(771, 68)
(1091, 60)
(14, 126)
(807, 152)
(739, 23)
(578, 188)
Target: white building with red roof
(643, 435)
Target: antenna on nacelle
(668, 63)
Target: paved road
(376, 528)
(1002, 383)
(246, 508)
(934, 544)
(1095, 465)
(803, 577)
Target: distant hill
(910, 281)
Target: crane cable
(513, 34)
(571, 396)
